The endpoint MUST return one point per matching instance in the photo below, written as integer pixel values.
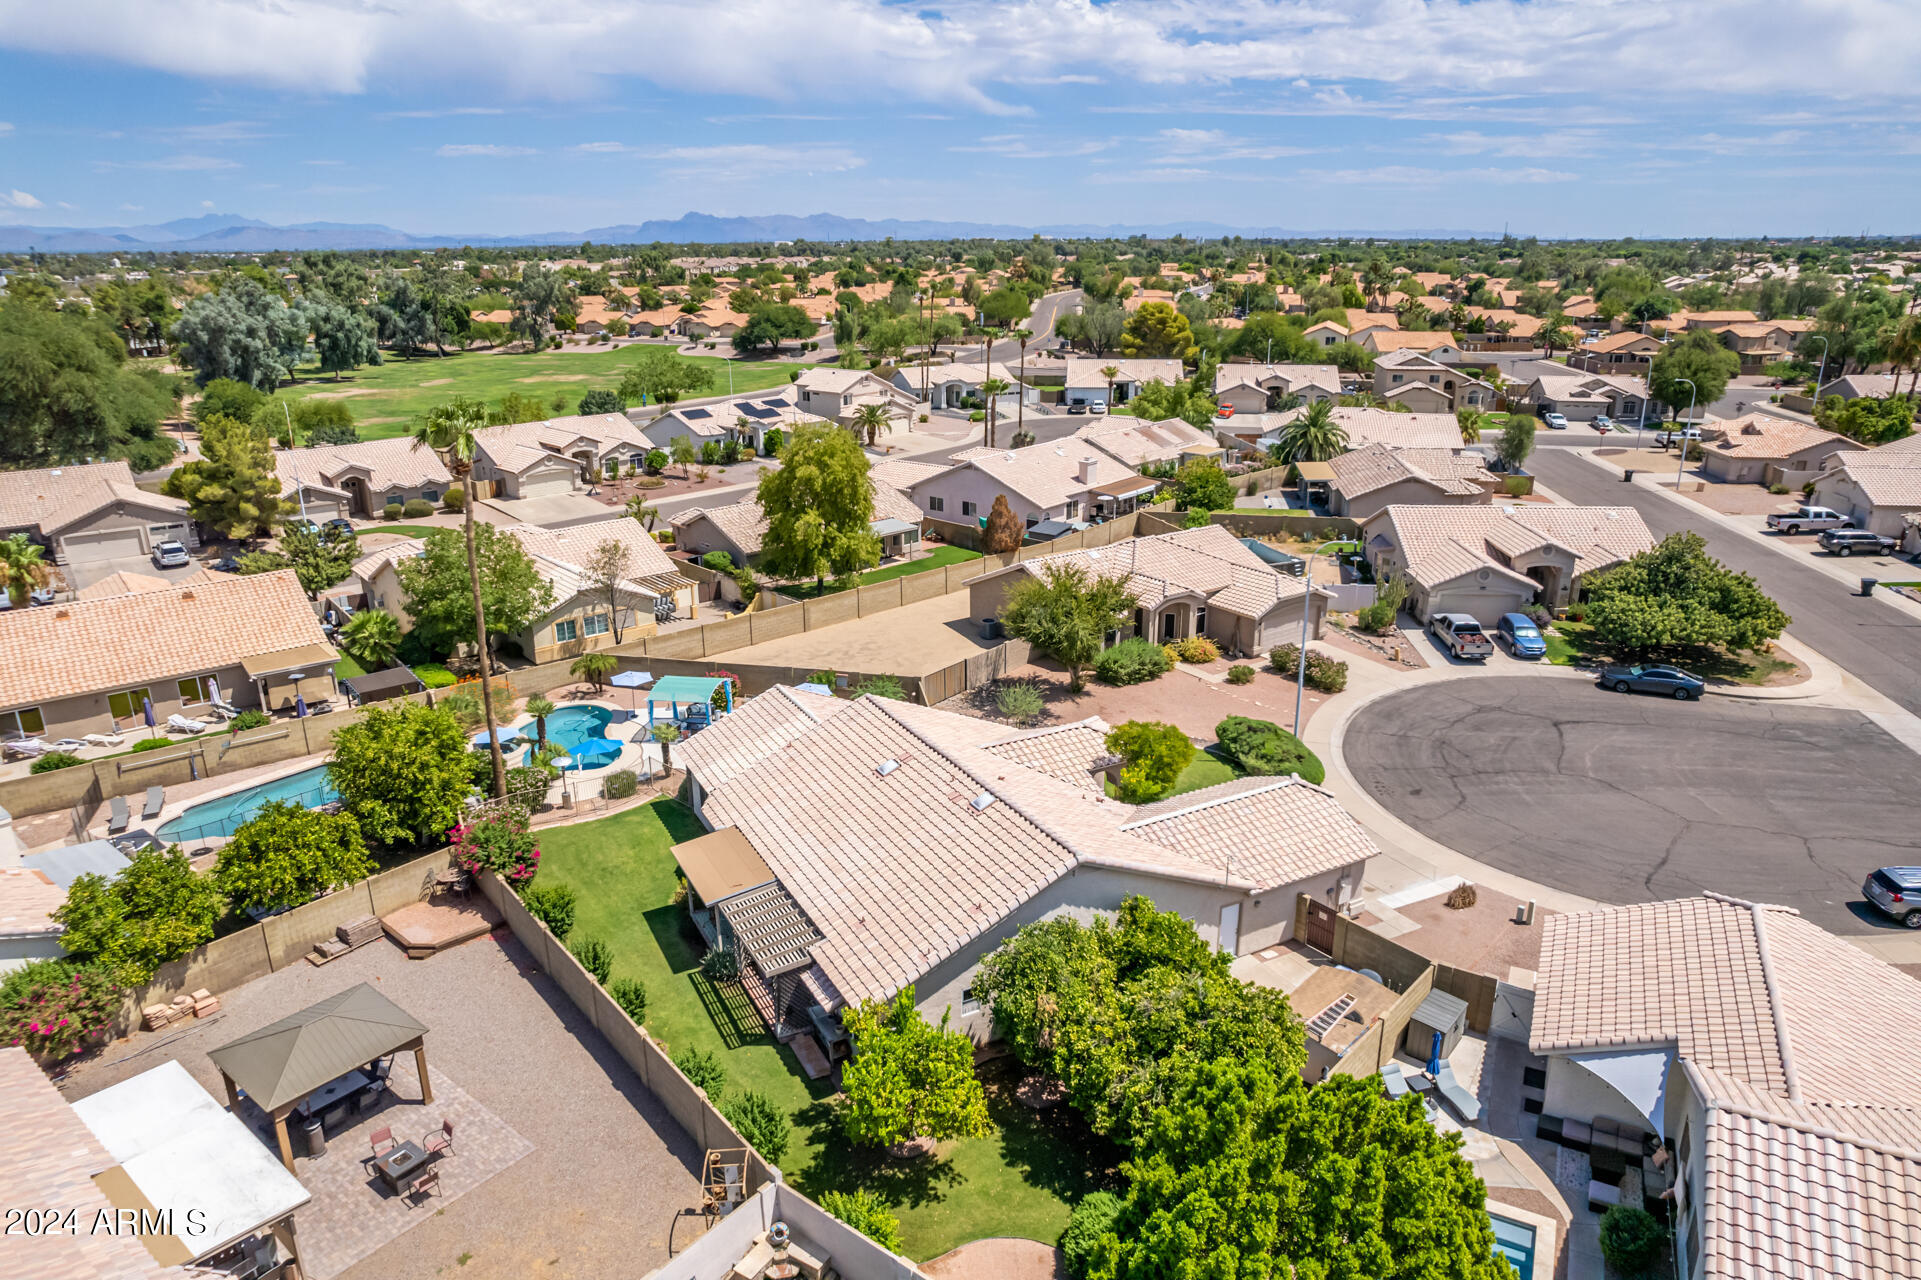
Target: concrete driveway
(1627, 798)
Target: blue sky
(1555, 117)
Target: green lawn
(939, 558)
(406, 530)
(1572, 644)
(384, 398)
(347, 668)
(1207, 769)
(1020, 1180)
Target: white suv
(171, 555)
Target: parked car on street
(1896, 891)
(171, 555)
(1845, 542)
(1460, 635)
(1676, 435)
(1808, 520)
(1522, 638)
(1555, 421)
(1672, 681)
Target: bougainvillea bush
(500, 843)
(62, 1014)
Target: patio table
(401, 1163)
(333, 1091)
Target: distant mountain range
(229, 233)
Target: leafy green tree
(1201, 485)
(681, 450)
(768, 326)
(594, 668)
(1067, 613)
(321, 559)
(819, 503)
(305, 422)
(402, 772)
(1097, 329)
(67, 392)
(226, 398)
(1632, 1239)
(23, 568)
(1516, 442)
(233, 487)
(1158, 330)
(1155, 754)
(241, 331)
(288, 854)
(908, 1079)
(371, 638)
(764, 1126)
(1698, 356)
(1313, 436)
(1676, 595)
(1869, 419)
(1186, 399)
(539, 294)
(600, 402)
(866, 1212)
(1005, 307)
(441, 591)
(156, 909)
(1092, 1218)
(660, 376)
(343, 337)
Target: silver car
(1897, 892)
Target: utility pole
(1020, 391)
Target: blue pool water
(1515, 1242)
(222, 817)
(571, 726)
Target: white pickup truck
(1460, 635)
(1808, 520)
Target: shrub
(1132, 661)
(1240, 674)
(702, 1069)
(56, 1014)
(718, 561)
(866, 1213)
(502, 843)
(455, 499)
(756, 1118)
(1172, 652)
(1324, 674)
(416, 508)
(595, 956)
(249, 719)
(1631, 1239)
(620, 784)
(152, 744)
(631, 995)
(391, 511)
(434, 675)
(53, 760)
(882, 687)
(1537, 614)
(1263, 748)
(1020, 701)
(1092, 1218)
(721, 964)
(656, 461)
(1777, 488)
(1198, 649)
(1155, 754)
(526, 783)
(553, 906)
(287, 854)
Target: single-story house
(1087, 383)
(96, 666)
(1763, 449)
(1876, 488)
(834, 394)
(1254, 388)
(861, 847)
(948, 385)
(1583, 397)
(1376, 426)
(714, 320)
(1628, 352)
(584, 616)
(739, 528)
(1138, 442)
(553, 456)
(1436, 344)
(1072, 479)
(88, 513)
(1855, 386)
(355, 481)
(1485, 561)
(1190, 582)
(1374, 476)
(1743, 1045)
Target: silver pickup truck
(1460, 635)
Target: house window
(597, 624)
(127, 704)
(1200, 620)
(1073, 508)
(970, 1002)
(196, 689)
(395, 495)
(566, 629)
(431, 495)
(1395, 378)
(967, 508)
(27, 722)
(937, 504)
(1433, 377)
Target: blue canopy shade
(594, 747)
(631, 679)
(505, 734)
(684, 689)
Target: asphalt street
(1873, 641)
(1629, 798)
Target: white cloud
(19, 199)
(1017, 146)
(174, 164)
(224, 131)
(1553, 142)
(458, 149)
(5, 128)
(1216, 145)
(598, 146)
(742, 161)
(440, 112)
(327, 163)
(1400, 175)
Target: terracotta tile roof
(122, 583)
(1046, 475)
(561, 555)
(1423, 340)
(27, 897)
(1441, 543)
(91, 646)
(392, 464)
(1583, 388)
(745, 525)
(515, 446)
(1619, 342)
(1761, 435)
(1273, 831)
(757, 729)
(48, 498)
(1085, 371)
(1885, 480)
(51, 1159)
(1283, 377)
(1063, 751)
(1375, 466)
(1138, 441)
(1388, 427)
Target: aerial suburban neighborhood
(1255, 664)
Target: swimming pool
(569, 727)
(224, 816)
(1515, 1242)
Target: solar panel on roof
(695, 413)
(759, 410)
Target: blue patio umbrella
(595, 748)
(1434, 1056)
(300, 706)
(146, 709)
(505, 734)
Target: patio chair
(423, 1186)
(156, 798)
(222, 708)
(119, 819)
(105, 739)
(68, 744)
(1459, 1098)
(1394, 1081)
(379, 1136)
(24, 748)
(443, 1140)
(181, 724)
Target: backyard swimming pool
(224, 816)
(570, 727)
(1515, 1242)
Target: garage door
(547, 484)
(171, 533)
(1485, 607)
(104, 544)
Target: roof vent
(886, 767)
(62, 614)
(186, 595)
(982, 802)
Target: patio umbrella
(1434, 1056)
(632, 680)
(146, 709)
(505, 734)
(300, 706)
(595, 748)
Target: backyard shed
(378, 686)
(1441, 1013)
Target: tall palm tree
(450, 430)
(1110, 372)
(992, 389)
(23, 568)
(870, 420)
(1313, 437)
(540, 708)
(1903, 349)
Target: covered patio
(309, 1059)
(294, 680)
(696, 693)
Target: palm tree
(664, 733)
(638, 508)
(23, 568)
(870, 420)
(1110, 372)
(540, 708)
(992, 389)
(1903, 348)
(1313, 437)
(593, 668)
(372, 638)
(450, 431)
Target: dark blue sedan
(1672, 681)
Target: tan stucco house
(89, 513)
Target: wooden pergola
(281, 1065)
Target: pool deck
(185, 795)
(641, 757)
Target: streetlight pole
(1020, 391)
(1307, 612)
(1681, 470)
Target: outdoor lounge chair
(24, 748)
(105, 739)
(120, 819)
(180, 724)
(221, 708)
(68, 745)
(1394, 1081)
(156, 797)
(1459, 1098)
